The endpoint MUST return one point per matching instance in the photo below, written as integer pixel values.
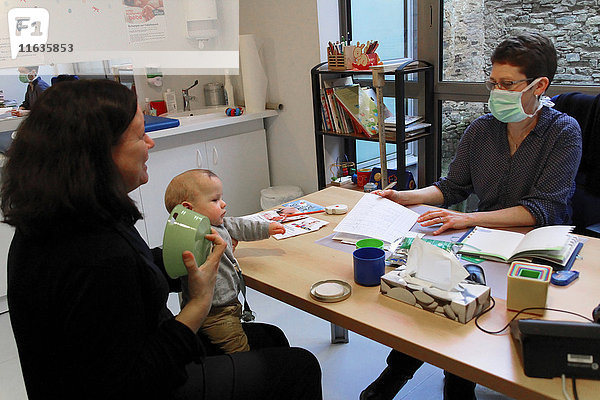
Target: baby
(200, 190)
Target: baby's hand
(275, 228)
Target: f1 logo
(27, 26)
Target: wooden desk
(286, 269)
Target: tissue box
(458, 306)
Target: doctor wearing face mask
(35, 86)
(520, 161)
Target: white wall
(290, 35)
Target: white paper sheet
(374, 216)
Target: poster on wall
(146, 21)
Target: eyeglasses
(505, 85)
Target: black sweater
(88, 310)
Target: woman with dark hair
(520, 161)
(87, 296)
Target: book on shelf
(359, 107)
(334, 118)
(373, 95)
(325, 113)
(410, 131)
(552, 243)
(390, 122)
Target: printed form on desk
(376, 217)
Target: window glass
(473, 28)
(389, 31)
(456, 116)
(381, 20)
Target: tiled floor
(347, 368)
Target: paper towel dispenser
(201, 18)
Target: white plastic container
(229, 92)
(148, 110)
(170, 101)
(276, 195)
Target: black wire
(575, 390)
(4, 312)
(517, 314)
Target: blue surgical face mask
(506, 105)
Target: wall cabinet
(239, 160)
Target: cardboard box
(458, 306)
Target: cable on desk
(517, 314)
(564, 386)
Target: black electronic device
(553, 348)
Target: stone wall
(573, 26)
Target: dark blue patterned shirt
(539, 176)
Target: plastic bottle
(146, 109)
(229, 92)
(170, 101)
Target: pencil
(304, 213)
(391, 185)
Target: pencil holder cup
(362, 177)
(527, 286)
(336, 62)
(369, 266)
(349, 58)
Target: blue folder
(152, 123)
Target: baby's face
(209, 202)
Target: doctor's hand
(448, 219)
(402, 197)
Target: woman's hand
(201, 283)
(428, 195)
(448, 219)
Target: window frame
(410, 30)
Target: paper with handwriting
(374, 216)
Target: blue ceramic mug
(369, 265)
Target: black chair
(586, 200)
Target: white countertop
(207, 121)
(187, 124)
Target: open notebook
(552, 243)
